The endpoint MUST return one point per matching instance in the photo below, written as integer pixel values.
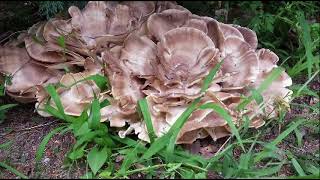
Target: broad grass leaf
(96, 158)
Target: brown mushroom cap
(185, 55)
(160, 23)
(137, 54)
(240, 59)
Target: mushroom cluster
(154, 50)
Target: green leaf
(276, 72)
(88, 175)
(284, 134)
(297, 167)
(54, 95)
(104, 103)
(13, 170)
(5, 145)
(129, 159)
(96, 158)
(95, 116)
(44, 142)
(84, 129)
(143, 107)
(210, 76)
(77, 153)
(299, 137)
(7, 106)
(61, 42)
(306, 39)
(101, 81)
(224, 114)
(176, 127)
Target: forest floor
(25, 129)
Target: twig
(223, 145)
(41, 125)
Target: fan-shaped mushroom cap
(277, 90)
(137, 54)
(15, 62)
(164, 5)
(160, 23)
(92, 21)
(185, 55)
(11, 59)
(75, 94)
(115, 115)
(197, 24)
(126, 90)
(229, 31)
(141, 9)
(249, 36)
(37, 51)
(239, 58)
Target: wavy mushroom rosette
(154, 50)
(43, 46)
(24, 74)
(277, 95)
(75, 90)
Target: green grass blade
(156, 146)
(129, 159)
(265, 171)
(299, 137)
(306, 83)
(101, 81)
(54, 95)
(95, 116)
(297, 167)
(306, 39)
(53, 111)
(224, 114)
(276, 72)
(176, 127)
(210, 76)
(285, 133)
(143, 106)
(7, 106)
(44, 142)
(5, 145)
(13, 170)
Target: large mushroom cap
(185, 54)
(160, 23)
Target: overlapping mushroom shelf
(154, 50)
